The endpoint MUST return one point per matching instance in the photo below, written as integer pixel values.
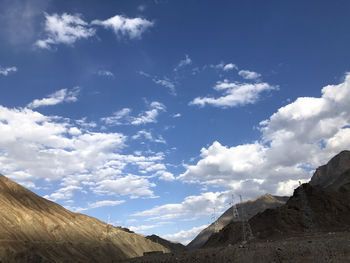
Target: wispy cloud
(234, 94)
(165, 82)
(106, 203)
(186, 61)
(64, 29)
(60, 96)
(125, 27)
(105, 73)
(7, 70)
(148, 136)
(123, 116)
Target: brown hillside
(33, 229)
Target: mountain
(33, 229)
(247, 209)
(311, 209)
(323, 205)
(172, 246)
(332, 174)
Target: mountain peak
(330, 173)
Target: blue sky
(156, 112)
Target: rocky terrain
(316, 247)
(250, 208)
(33, 229)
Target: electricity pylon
(246, 229)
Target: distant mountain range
(33, 229)
(245, 211)
(323, 205)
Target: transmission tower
(213, 217)
(247, 233)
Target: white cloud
(185, 236)
(191, 206)
(64, 29)
(234, 94)
(123, 26)
(177, 115)
(295, 140)
(105, 73)
(149, 116)
(229, 66)
(7, 70)
(167, 84)
(118, 117)
(148, 136)
(60, 96)
(246, 74)
(186, 61)
(123, 116)
(165, 175)
(133, 185)
(106, 203)
(35, 147)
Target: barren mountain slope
(247, 209)
(33, 227)
(330, 173)
(311, 209)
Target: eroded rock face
(330, 173)
(33, 227)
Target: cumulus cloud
(64, 29)
(132, 185)
(185, 236)
(123, 116)
(234, 94)
(193, 206)
(229, 66)
(124, 26)
(34, 147)
(60, 96)
(246, 74)
(7, 70)
(295, 140)
(186, 61)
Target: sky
(151, 114)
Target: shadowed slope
(31, 226)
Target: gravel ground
(321, 247)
